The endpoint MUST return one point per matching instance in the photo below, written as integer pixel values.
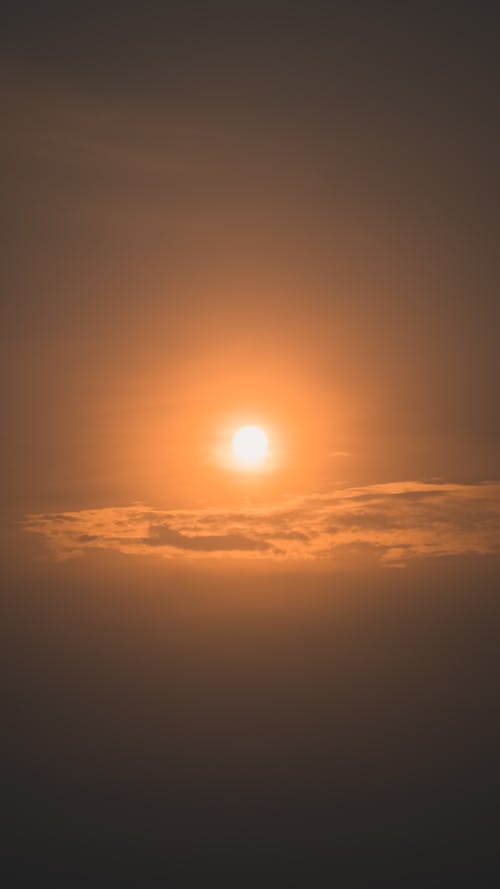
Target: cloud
(389, 524)
(163, 535)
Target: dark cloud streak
(162, 535)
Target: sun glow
(250, 446)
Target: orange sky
(220, 213)
(180, 265)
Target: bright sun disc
(250, 445)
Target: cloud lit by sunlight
(389, 524)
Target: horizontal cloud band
(388, 523)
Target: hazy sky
(263, 211)
(277, 213)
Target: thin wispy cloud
(390, 524)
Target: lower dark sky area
(343, 726)
(280, 217)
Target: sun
(250, 446)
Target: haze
(228, 215)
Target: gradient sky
(256, 210)
(226, 213)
